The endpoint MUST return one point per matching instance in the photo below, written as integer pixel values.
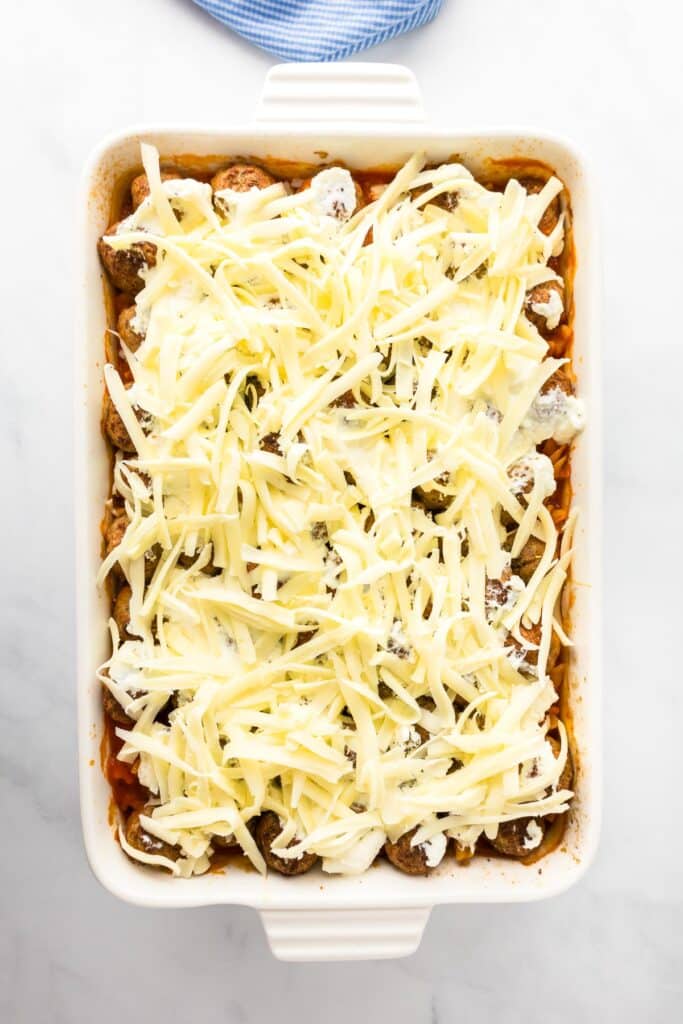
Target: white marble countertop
(607, 74)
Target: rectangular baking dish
(365, 115)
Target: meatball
(497, 591)
(224, 842)
(528, 660)
(115, 428)
(128, 335)
(375, 191)
(114, 531)
(551, 214)
(513, 835)
(266, 831)
(114, 710)
(559, 381)
(528, 559)
(152, 556)
(544, 306)
(412, 860)
(124, 265)
(139, 187)
(521, 476)
(532, 634)
(187, 561)
(241, 178)
(253, 392)
(113, 535)
(347, 400)
(566, 778)
(304, 637)
(139, 839)
(360, 197)
(271, 443)
(121, 612)
(433, 499)
(446, 201)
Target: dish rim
(299, 894)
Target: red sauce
(128, 793)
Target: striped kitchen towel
(313, 30)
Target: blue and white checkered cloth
(320, 30)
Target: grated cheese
(382, 366)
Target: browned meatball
(253, 392)
(522, 482)
(271, 443)
(360, 197)
(241, 178)
(445, 201)
(532, 634)
(347, 400)
(187, 561)
(559, 380)
(121, 612)
(551, 214)
(128, 336)
(139, 839)
(114, 710)
(431, 498)
(544, 306)
(224, 842)
(115, 428)
(113, 534)
(124, 265)
(152, 556)
(139, 187)
(304, 637)
(412, 860)
(496, 591)
(566, 778)
(528, 560)
(375, 191)
(512, 835)
(266, 831)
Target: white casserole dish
(365, 115)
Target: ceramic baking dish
(365, 115)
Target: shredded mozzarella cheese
(305, 614)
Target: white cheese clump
(533, 836)
(334, 193)
(434, 849)
(551, 310)
(557, 415)
(534, 468)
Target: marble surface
(607, 74)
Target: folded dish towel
(311, 30)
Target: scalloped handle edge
(308, 935)
(334, 93)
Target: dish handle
(333, 93)
(344, 934)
